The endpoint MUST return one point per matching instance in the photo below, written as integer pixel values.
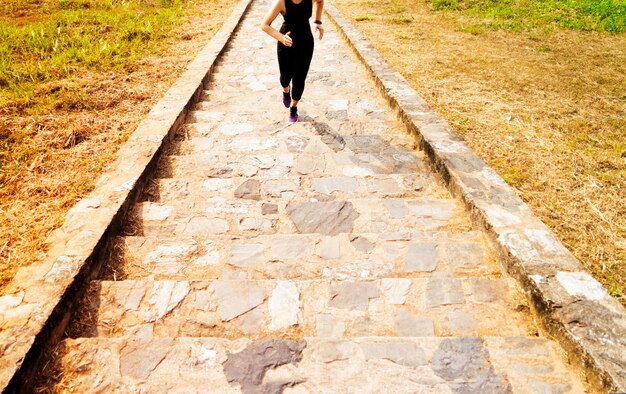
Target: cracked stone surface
(329, 218)
(248, 367)
(236, 298)
(320, 256)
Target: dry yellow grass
(546, 109)
(68, 148)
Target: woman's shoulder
(280, 5)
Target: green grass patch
(519, 15)
(58, 39)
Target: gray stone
(276, 187)
(250, 189)
(466, 255)
(365, 143)
(221, 205)
(269, 209)
(256, 224)
(331, 351)
(246, 255)
(235, 298)
(338, 105)
(330, 185)
(235, 129)
(443, 289)
(210, 256)
(328, 326)
(316, 149)
(264, 162)
(330, 218)
(202, 144)
(362, 244)
(204, 300)
(155, 212)
(130, 296)
(440, 210)
(138, 359)
(169, 253)
(397, 208)
(532, 369)
(395, 290)
(523, 346)
(361, 326)
(464, 362)
(352, 295)
(290, 247)
(333, 140)
(296, 144)
(253, 144)
(250, 322)
(407, 325)
(421, 257)
(202, 225)
(461, 323)
(329, 248)
(337, 115)
(164, 297)
(465, 163)
(308, 164)
(402, 353)
(550, 388)
(284, 305)
(488, 290)
(248, 367)
(383, 186)
(344, 159)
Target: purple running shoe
(293, 114)
(286, 99)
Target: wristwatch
(318, 22)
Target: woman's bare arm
(277, 7)
(319, 9)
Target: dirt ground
(546, 109)
(69, 147)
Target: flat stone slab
(222, 308)
(299, 187)
(217, 215)
(328, 218)
(433, 365)
(308, 256)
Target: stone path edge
(33, 298)
(571, 305)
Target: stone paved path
(326, 249)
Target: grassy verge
(541, 99)
(76, 77)
(520, 15)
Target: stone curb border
(30, 312)
(572, 306)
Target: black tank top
(298, 15)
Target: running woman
(295, 45)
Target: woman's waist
(300, 27)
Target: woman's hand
(320, 30)
(287, 41)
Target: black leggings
(294, 61)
